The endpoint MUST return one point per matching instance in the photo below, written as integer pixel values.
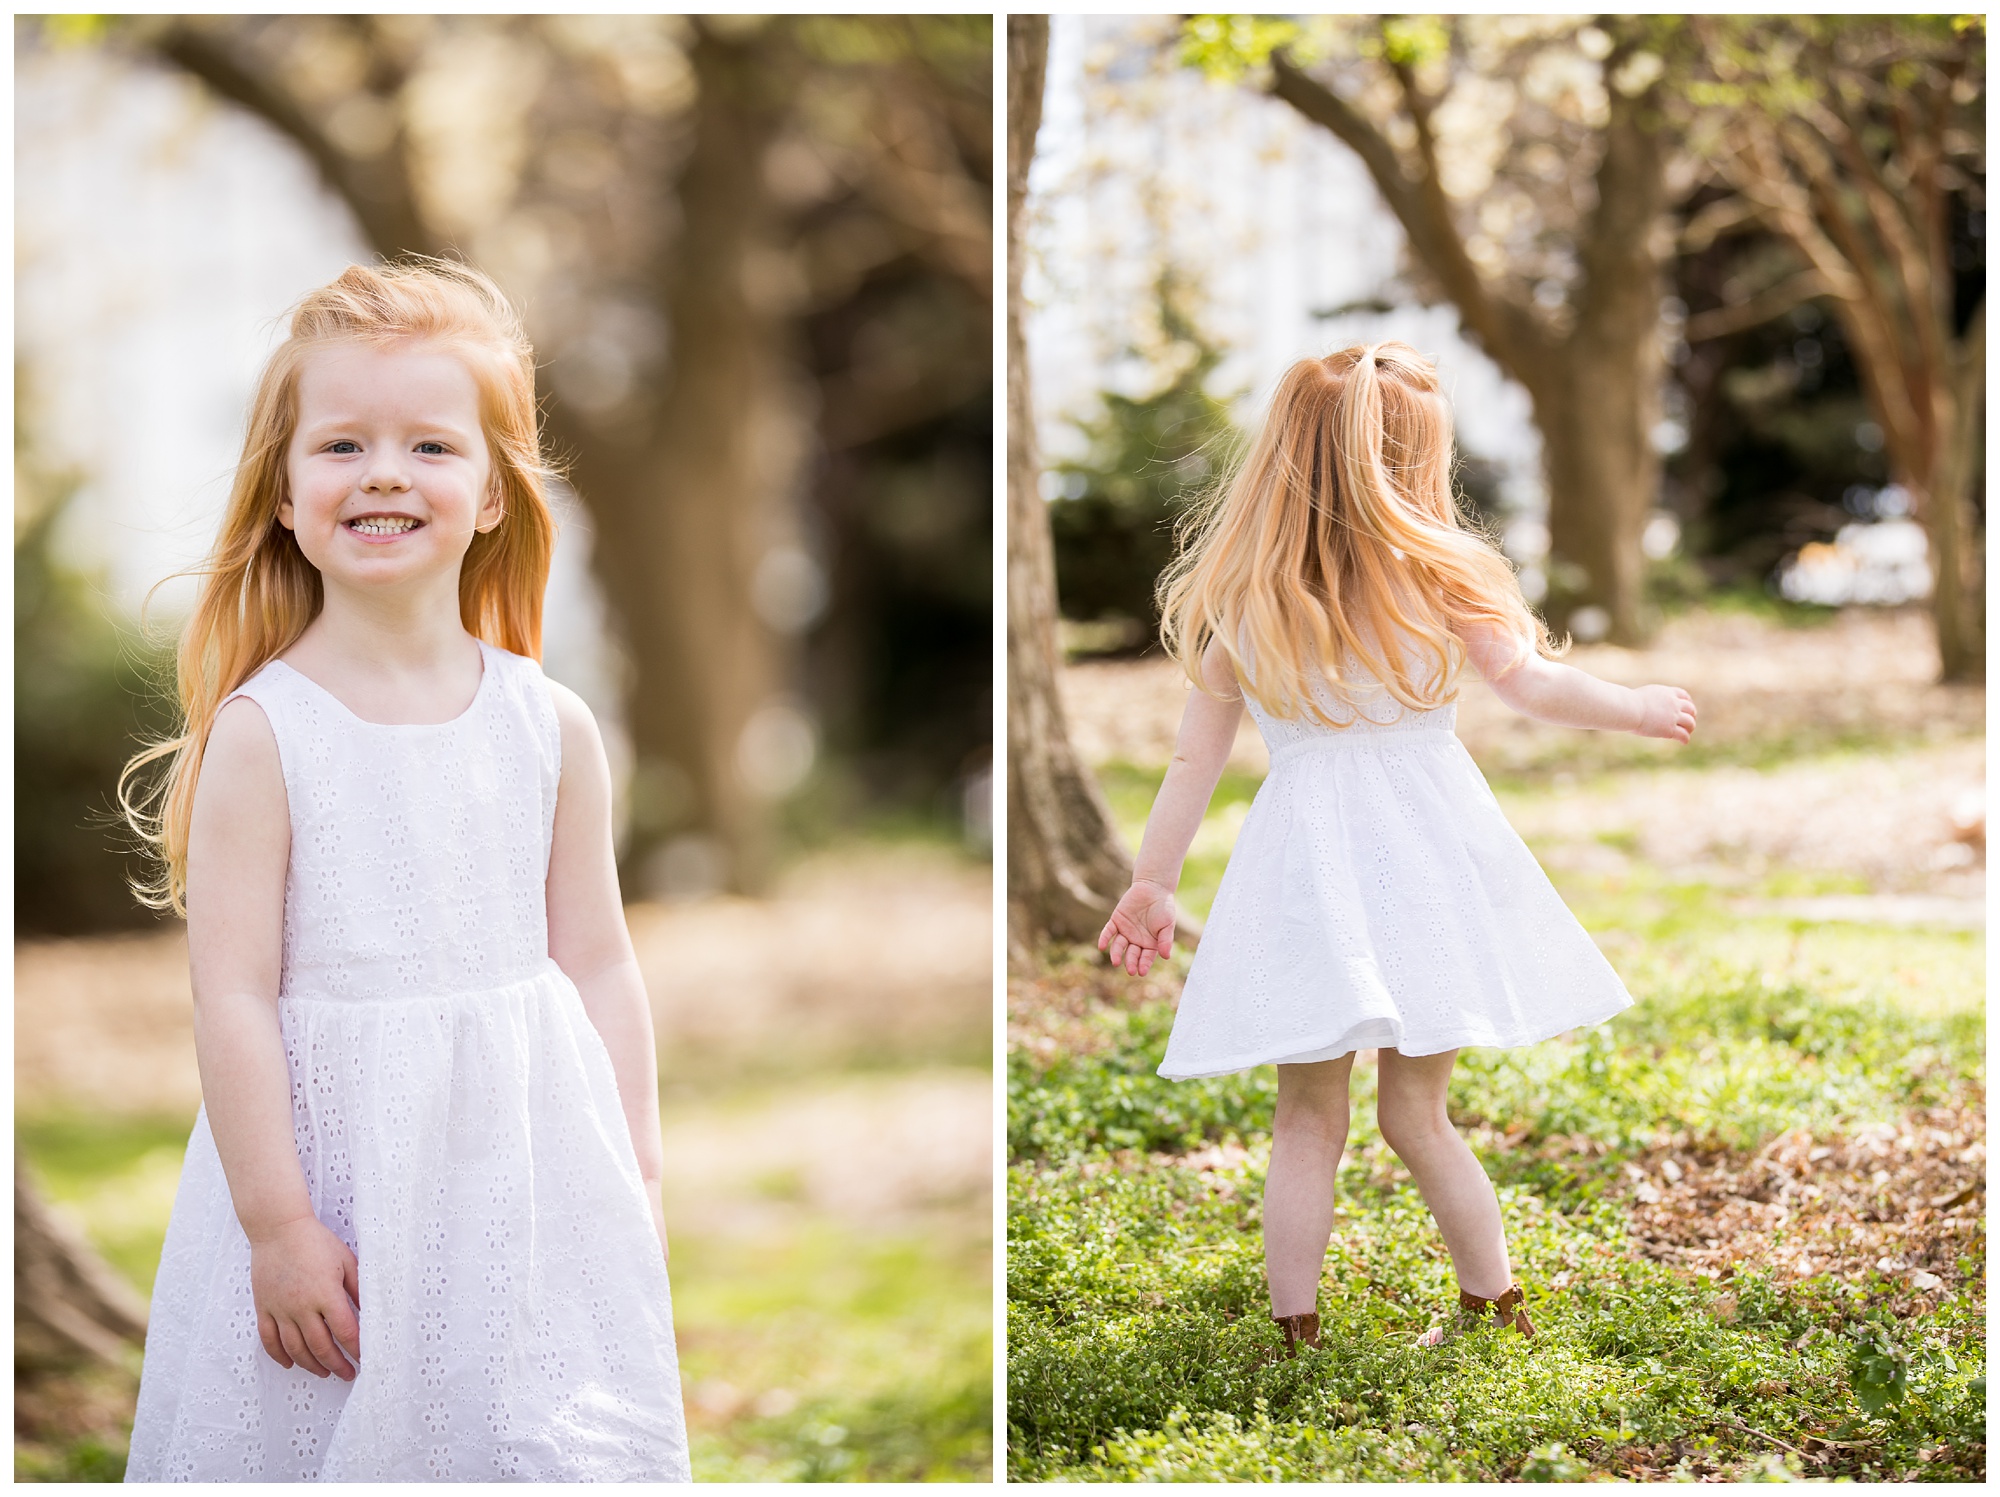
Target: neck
(408, 629)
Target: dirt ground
(868, 954)
(1858, 762)
(824, 1065)
(1864, 671)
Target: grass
(1139, 1347)
(871, 1349)
(875, 1352)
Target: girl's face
(389, 473)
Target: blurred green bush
(86, 691)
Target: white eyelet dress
(1377, 898)
(459, 1127)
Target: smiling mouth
(383, 525)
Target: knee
(1319, 1114)
(1409, 1126)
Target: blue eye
(431, 449)
(343, 446)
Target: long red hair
(258, 592)
(1340, 538)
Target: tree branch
(914, 179)
(1509, 333)
(1730, 215)
(378, 196)
(1773, 301)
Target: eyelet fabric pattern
(459, 1127)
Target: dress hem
(1467, 1039)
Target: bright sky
(1276, 217)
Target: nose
(386, 473)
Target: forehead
(413, 379)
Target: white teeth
(382, 525)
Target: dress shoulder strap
(273, 686)
(522, 683)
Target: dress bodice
(419, 852)
(1373, 712)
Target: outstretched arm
(588, 938)
(1141, 929)
(304, 1282)
(1551, 692)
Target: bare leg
(1409, 1107)
(1310, 1132)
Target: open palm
(1140, 930)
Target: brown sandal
(1475, 1313)
(1300, 1330)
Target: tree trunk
(685, 496)
(1065, 865)
(1958, 591)
(1594, 389)
(685, 518)
(1597, 421)
(1600, 490)
(70, 1306)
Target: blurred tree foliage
(1530, 161)
(755, 257)
(1146, 460)
(1541, 167)
(1116, 506)
(1858, 144)
(85, 692)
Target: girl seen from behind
(418, 1234)
(1376, 898)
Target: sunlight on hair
(257, 590)
(1339, 543)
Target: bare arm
(1141, 929)
(239, 841)
(588, 938)
(1551, 692)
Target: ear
(492, 511)
(285, 517)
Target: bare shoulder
(1496, 653)
(1218, 673)
(240, 741)
(582, 744)
(572, 712)
(241, 774)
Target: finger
(1104, 936)
(267, 1332)
(295, 1344)
(1118, 945)
(346, 1328)
(1132, 960)
(1145, 964)
(320, 1338)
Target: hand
(1665, 712)
(1141, 929)
(307, 1290)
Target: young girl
(1376, 898)
(418, 1235)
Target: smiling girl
(418, 1233)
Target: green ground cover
(1139, 1346)
(880, 1339)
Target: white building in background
(1275, 221)
(160, 238)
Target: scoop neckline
(478, 695)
